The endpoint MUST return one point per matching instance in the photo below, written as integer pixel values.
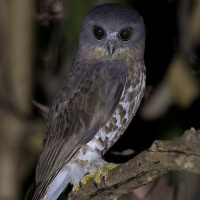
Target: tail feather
(58, 185)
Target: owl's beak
(111, 46)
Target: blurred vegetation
(37, 45)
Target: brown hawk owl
(96, 103)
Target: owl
(96, 102)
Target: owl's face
(109, 30)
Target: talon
(104, 181)
(87, 177)
(101, 174)
(95, 185)
(81, 186)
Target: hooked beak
(111, 46)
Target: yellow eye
(125, 34)
(99, 33)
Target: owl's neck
(88, 52)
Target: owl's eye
(125, 34)
(99, 33)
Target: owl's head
(110, 30)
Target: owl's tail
(54, 190)
(58, 185)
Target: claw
(87, 177)
(104, 181)
(101, 174)
(104, 172)
(80, 185)
(95, 185)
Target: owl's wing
(83, 104)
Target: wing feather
(83, 104)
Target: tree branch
(180, 154)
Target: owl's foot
(83, 181)
(102, 173)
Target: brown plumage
(97, 101)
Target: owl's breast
(119, 121)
